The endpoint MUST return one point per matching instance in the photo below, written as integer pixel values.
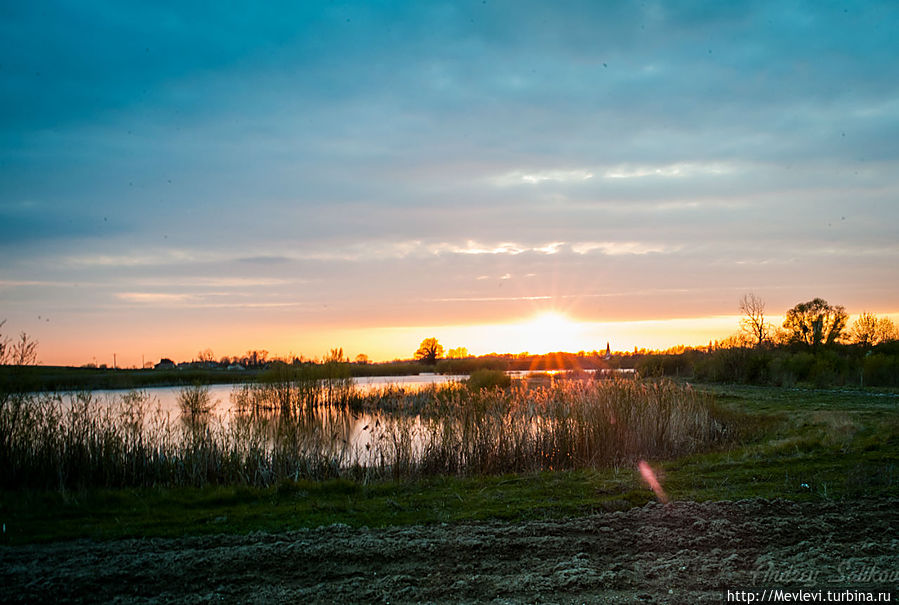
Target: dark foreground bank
(678, 553)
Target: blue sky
(291, 177)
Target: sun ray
(550, 332)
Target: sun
(550, 332)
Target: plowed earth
(682, 552)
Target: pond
(337, 432)
(222, 394)
(261, 433)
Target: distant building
(236, 366)
(165, 364)
(608, 352)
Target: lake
(221, 394)
(349, 434)
(259, 434)
(340, 433)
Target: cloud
(475, 248)
(678, 170)
(622, 248)
(519, 177)
(215, 282)
(198, 301)
(620, 171)
(491, 298)
(377, 250)
(265, 260)
(154, 297)
(169, 152)
(147, 258)
(551, 248)
(25, 283)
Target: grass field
(59, 378)
(56, 378)
(792, 443)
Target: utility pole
(114, 362)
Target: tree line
(814, 345)
(813, 324)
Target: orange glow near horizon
(550, 331)
(545, 332)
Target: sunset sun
(549, 331)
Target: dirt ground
(677, 553)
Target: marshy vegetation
(290, 429)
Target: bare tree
(869, 330)
(886, 330)
(5, 350)
(19, 352)
(754, 324)
(24, 351)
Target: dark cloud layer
(354, 146)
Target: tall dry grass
(288, 429)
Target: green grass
(793, 444)
(64, 378)
(109, 514)
(59, 378)
(799, 444)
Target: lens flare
(650, 477)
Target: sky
(177, 176)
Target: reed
(298, 429)
(195, 401)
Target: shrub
(488, 379)
(195, 400)
(800, 365)
(781, 372)
(881, 370)
(469, 365)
